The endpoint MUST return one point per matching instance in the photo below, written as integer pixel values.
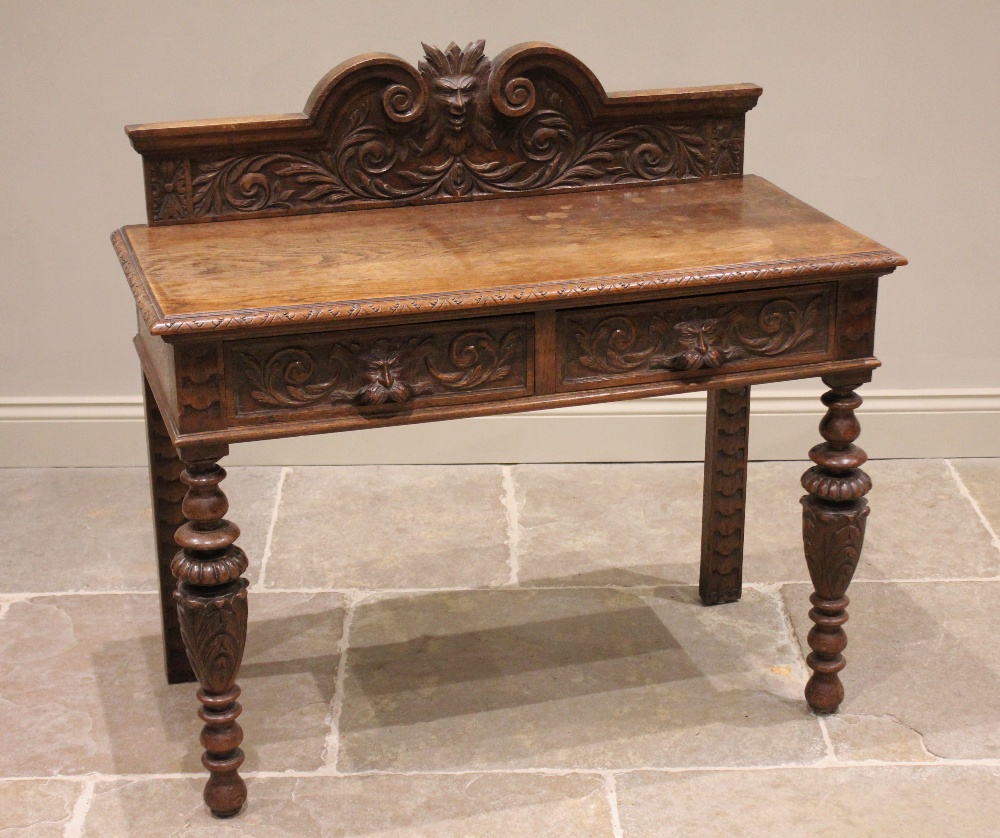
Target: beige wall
(884, 114)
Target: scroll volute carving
(458, 126)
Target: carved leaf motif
(784, 326)
(614, 344)
(619, 344)
(833, 539)
(477, 359)
(386, 147)
(386, 371)
(214, 630)
(284, 379)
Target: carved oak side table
(357, 276)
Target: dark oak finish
(833, 528)
(378, 132)
(724, 498)
(167, 493)
(212, 607)
(628, 256)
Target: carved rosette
(707, 337)
(369, 371)
(726, 147)
(169, 188)
(212, 608)
(833, 529)
(455, 127)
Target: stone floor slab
(72, 529)
(863, 802)
(919, 653)
(378, 806)
(609, 524)
(920, 525)
(390, 527)
(82, 686)
(640, 524)
(571, 678)
(858, 738)
(982, 478)
(36, 808)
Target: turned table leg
(167, 492)
(212, 608)
(724, 495)
(833, 529)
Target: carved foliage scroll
(674, 336)
(391, 367)
(445, 137)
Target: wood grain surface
(452, 255)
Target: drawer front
(381, 370)
(670, 339)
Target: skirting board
(93, 431)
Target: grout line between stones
(9, 598)
(611, 793)
(331, 748)
(831, 753)
(93, 778)
(74, 826)
(285, 471)
(801, 667)
(511, 513)
(965, 493)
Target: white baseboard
(96, 431)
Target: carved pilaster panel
(724, 503)
(369, 370)
(199, 371)
(659, 340)
(856, 299)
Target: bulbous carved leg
(723, 507)
(212, 607)
(833, 529)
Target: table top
(483, 254)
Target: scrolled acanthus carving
(616, 344)
(455, 130)
(384, 371)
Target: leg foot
(723, 508)
(833, 529)
(212, 609)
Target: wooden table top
(483, 254)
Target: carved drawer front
(382, 370)
(664, 339)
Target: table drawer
(381, 370)
(683, 338)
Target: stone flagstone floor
(506, 651)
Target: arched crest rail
(377, 131)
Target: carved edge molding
(510, 296)
(377, 131)
(150, 312)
